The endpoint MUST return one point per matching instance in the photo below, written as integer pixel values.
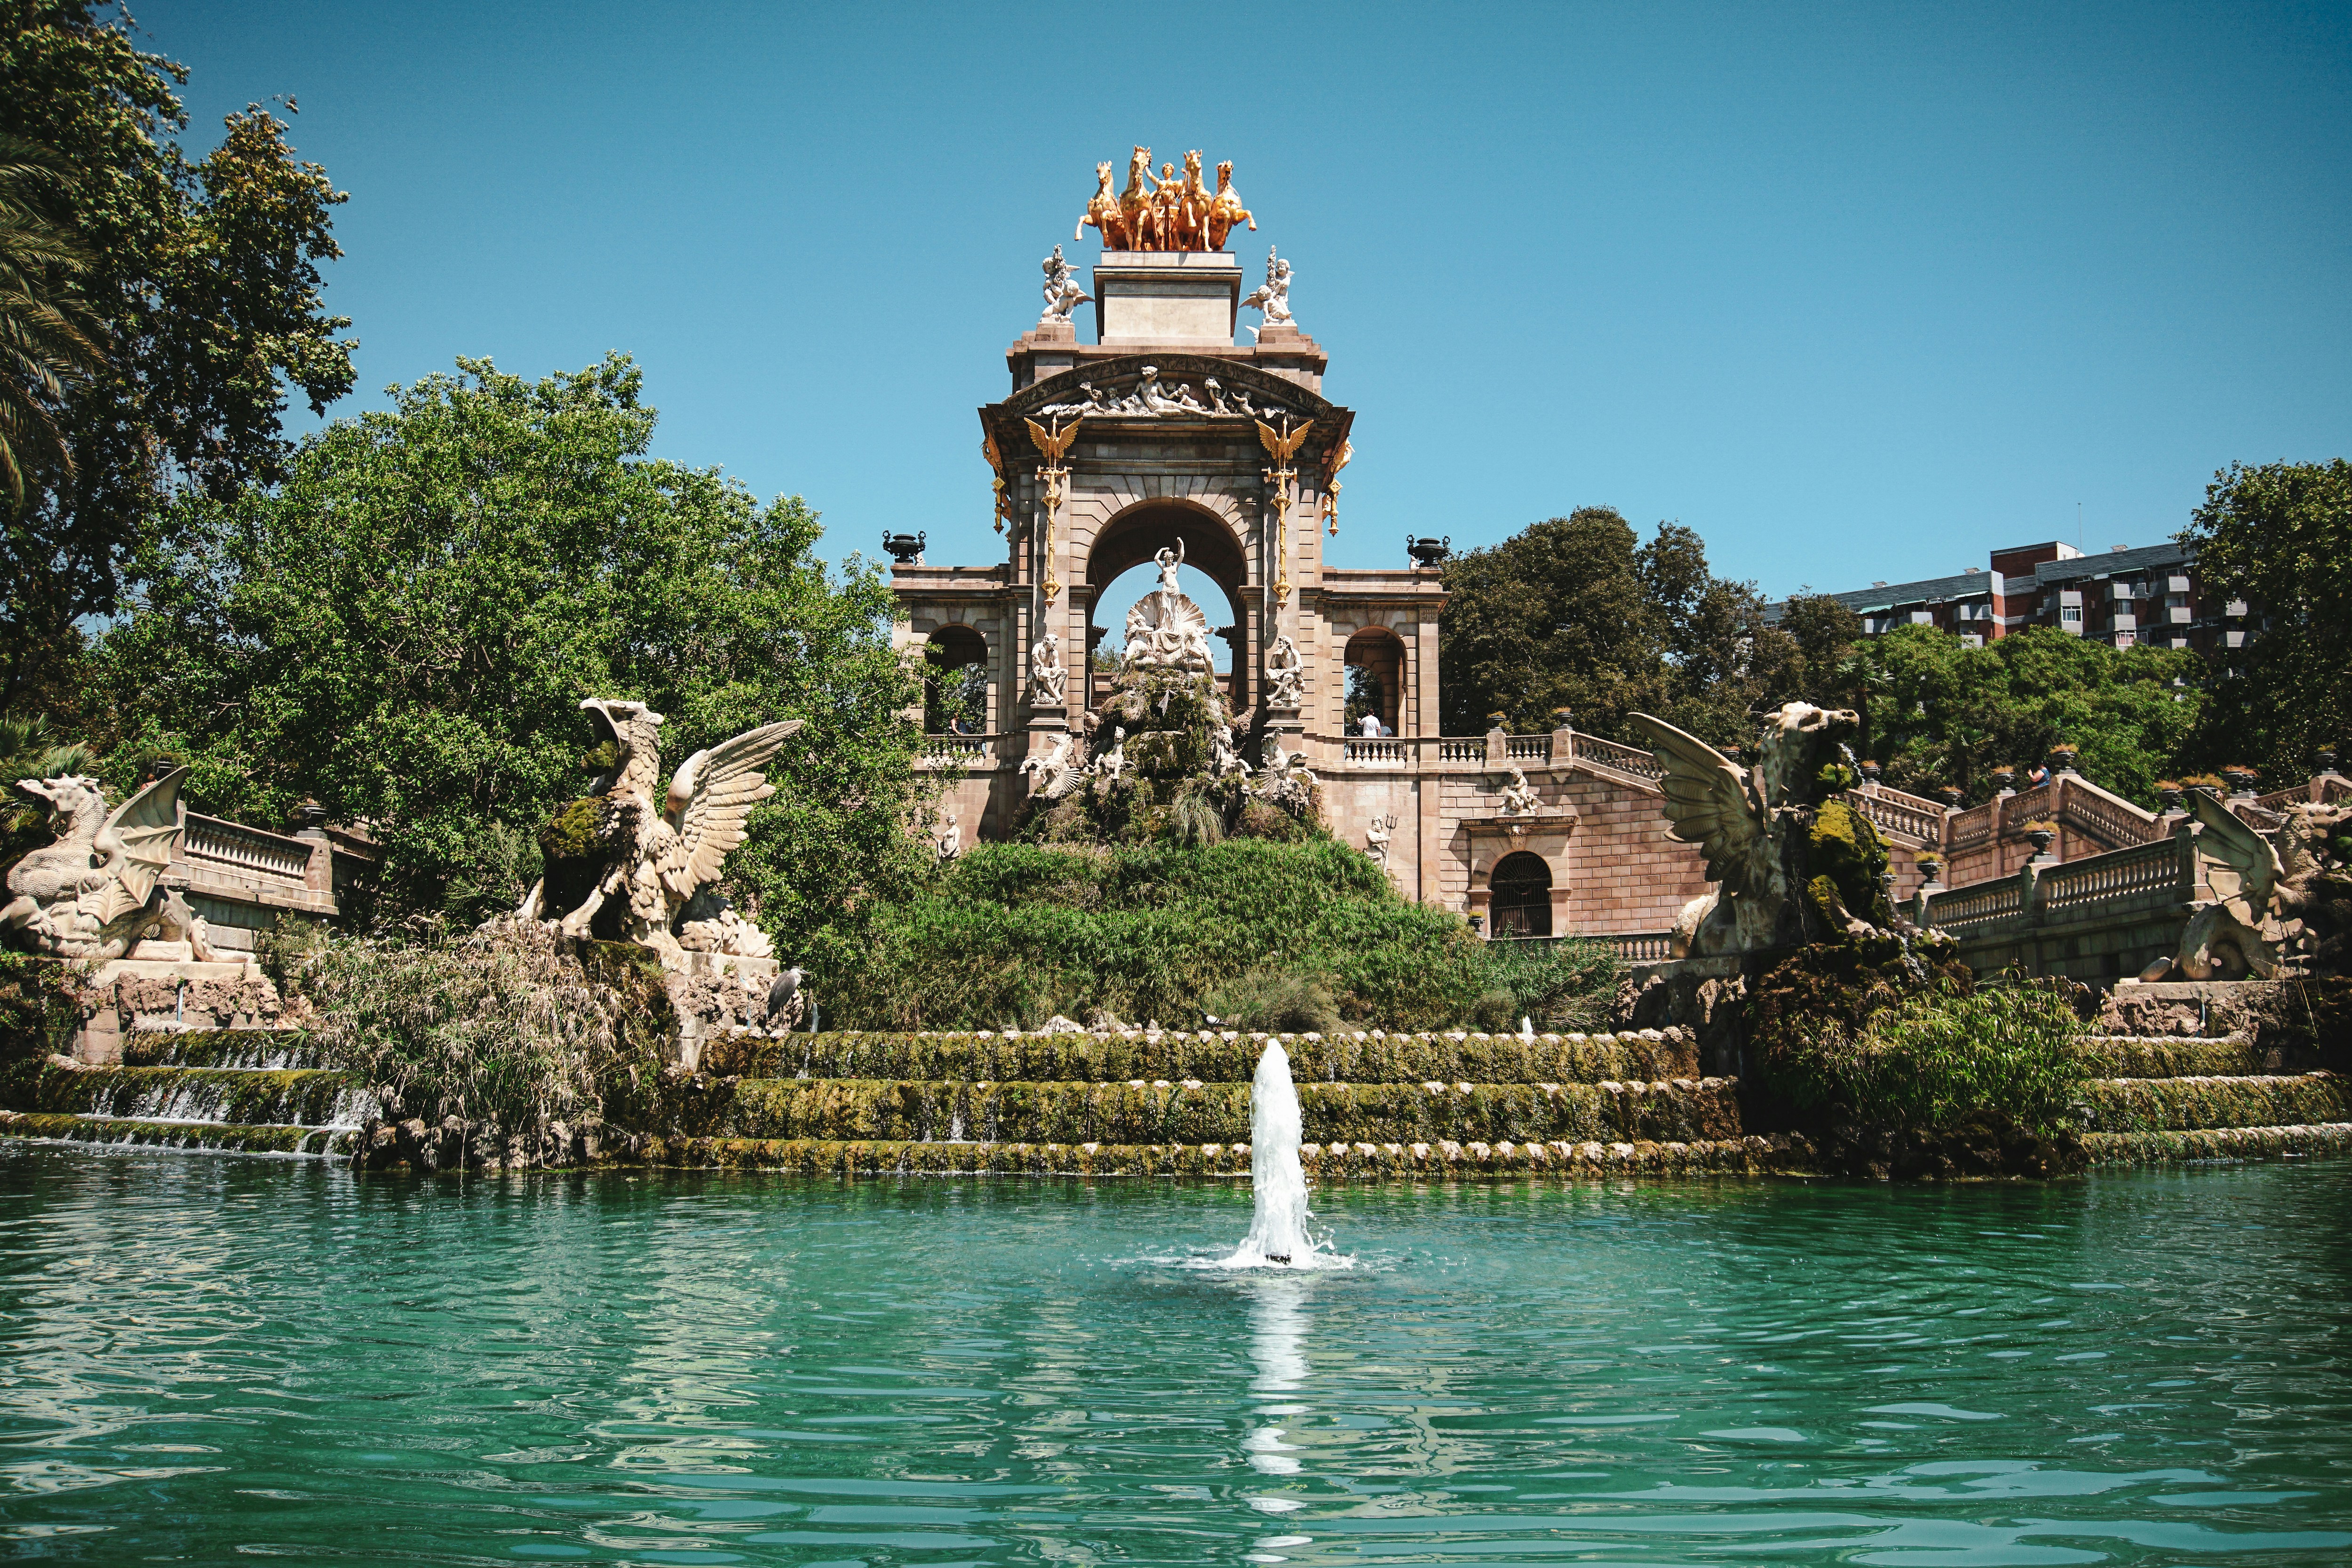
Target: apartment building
(2130, 597)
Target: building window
(2073, 613)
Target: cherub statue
(1048, 681)
(1062, 291)
(1273, 296)
(1520, 798)
(97, 892)
(1285, 674)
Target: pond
(208, 1358)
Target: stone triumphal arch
(1164, 426)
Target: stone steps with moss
(2206, 1103)
(297, 1097)
(1139, 1112)
(272, 1050)
(226, 1137)
(1324, 1161)
(2297, 1141)
(1223, 1057)
(231, 1090)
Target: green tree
(1941, 713)
(1822, 632)
(203, 281)
(2279, 537)
(1578, 613)
(43, 348)
(405, 629)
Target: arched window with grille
(1521, 900)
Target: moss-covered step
(1357, 1057)
(1139, 1112)
(228, 1137)
(304, 1095)
(1326, 1162)
(2189, 1104)
(272, 1049)
(2162, 1056)
(2298, 1141)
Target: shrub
(1274, 1003)
(1016, 932)
(1931, 1060)
(496, 1027)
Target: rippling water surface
(204, 1358)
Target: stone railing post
(1498, 746)
(2185, 873)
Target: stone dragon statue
(1742, 823)
(95, 893)
(652, 863)
(2290, 909)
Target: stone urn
(1428, 554)
(2327, 763)
(2062, 760)
(2168, 797)
(1931, 870)
(1870, 771)
(2242, 783)
(1951, 796)
(2004, 780)
(2040, 838)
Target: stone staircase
(1376, 1105)
(250, 1090)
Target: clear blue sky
(1856, 293)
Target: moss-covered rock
(1844, 848)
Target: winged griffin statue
(95, 892)
(647, 863)
(2289, 911)
(1742, 823)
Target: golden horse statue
(1171, 213)
(1225, 209)
(1103, 213)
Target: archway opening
(1521, 900)
(1119, 570)
(1374, 658)
(955, 682)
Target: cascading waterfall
(1278, 1236)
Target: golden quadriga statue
(1172, 213)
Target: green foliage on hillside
(405, 627)
(1013, 934)
(1939, 711)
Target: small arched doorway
(1520, 904)
(955, 683)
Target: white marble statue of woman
(1047, 675)
(1168, 561)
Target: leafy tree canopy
(2280, 537)
(1576, 613)
(200, 281)
(1941, 713)
(405, 627)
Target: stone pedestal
(1168, 298)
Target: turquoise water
(202, 1359)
